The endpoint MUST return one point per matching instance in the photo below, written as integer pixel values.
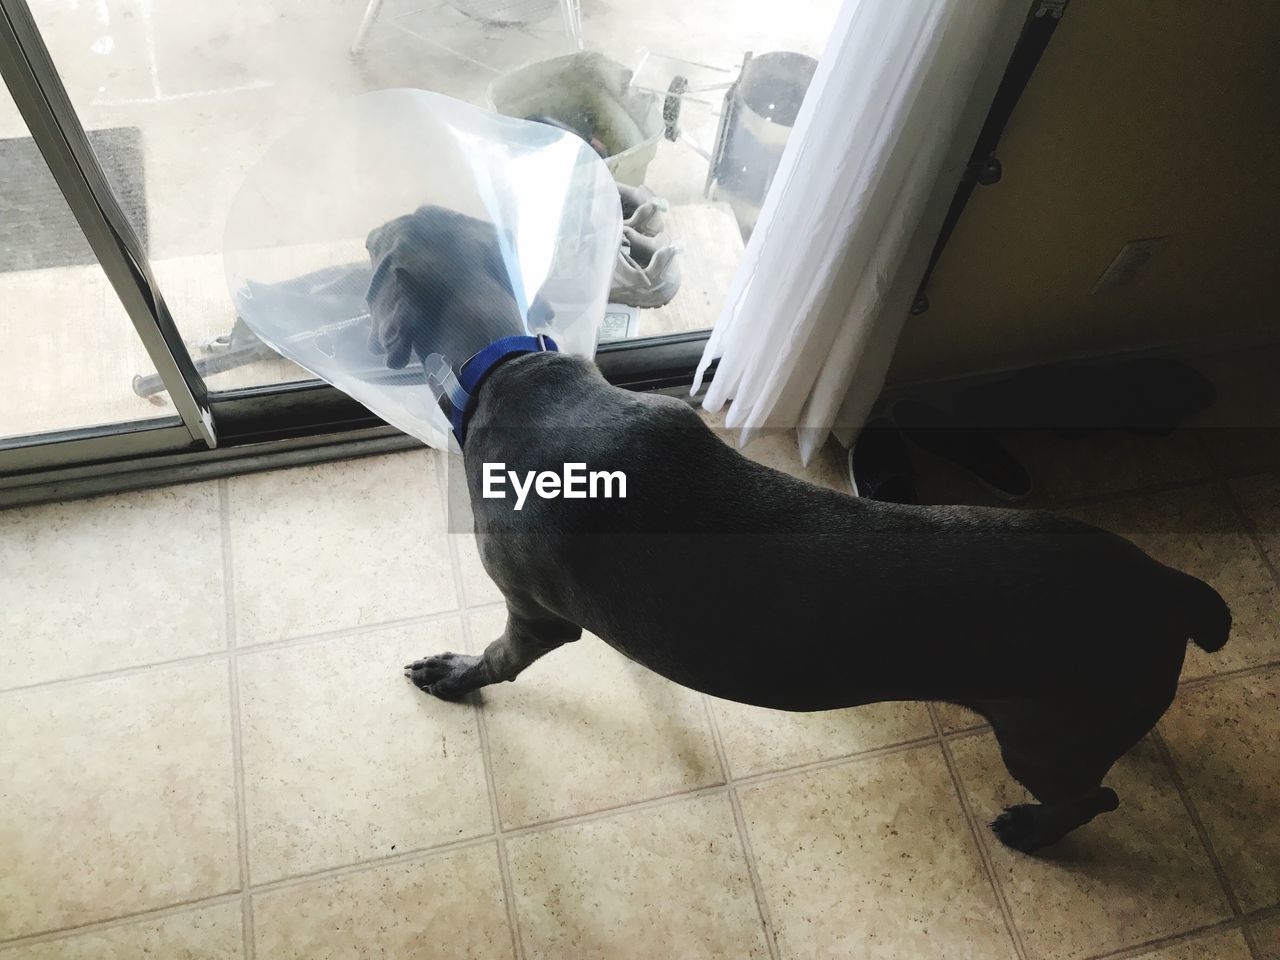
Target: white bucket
(593, 95)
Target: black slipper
(880, 464)
(976, 450)
(1146, 396)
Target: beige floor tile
(1259, 497)
(585, 729)
(436, 908)
(779, 449)
(1108, 462)
(205, 933)
(954, 718)
(669, 881)
(338, 545)
(477, 586)
(1130, 876)
(1226, 945)
(1267, 937)
(758, 740)
(1197, 531)
(873, 858)
(112, 582)
(1225, 739)
(119, 795)
(346, 761)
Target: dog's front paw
(1019, 827)
(447, 676)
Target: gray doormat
(36, 226)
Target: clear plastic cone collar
(388, 240)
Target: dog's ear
(391, 337)
(380, 239)
(380, 274)
(486, 247)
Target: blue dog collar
(462, 391)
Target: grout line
(356, 631)
(1166, 757)
(242, 826)
(968, 733)
(1250, 932)
(1251, 942)
(1229, 674)
(617, 810)
(401, 856)
(1172, 940)
(1250, 529)
(482, 732)
(629, 806)
(117, 673)
(124, 919)
(1263, 914)
(1249, 473)
(1128, 493)
(988, 864)
(237, 738)
(1228, 488)
(504, 862)
(813, 766)
(976, 726)
(744, 836)
(421, 853)
(857, 757)
(228, 569)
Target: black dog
(737, 580)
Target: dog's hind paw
(1019, 827)
(447, 676)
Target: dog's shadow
(640, 704)
(1152, 847)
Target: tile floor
(209, 752)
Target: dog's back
(740, 581)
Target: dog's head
(440, 285)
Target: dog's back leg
(532, 631)
(1068, 798)
(1060, 750)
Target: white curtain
(827, 280)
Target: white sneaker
(641, 210)
(647, 273)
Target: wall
(1145, 117)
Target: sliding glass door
(132, 124)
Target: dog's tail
(1207, 614)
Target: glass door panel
(207, 87)
(70, 352)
